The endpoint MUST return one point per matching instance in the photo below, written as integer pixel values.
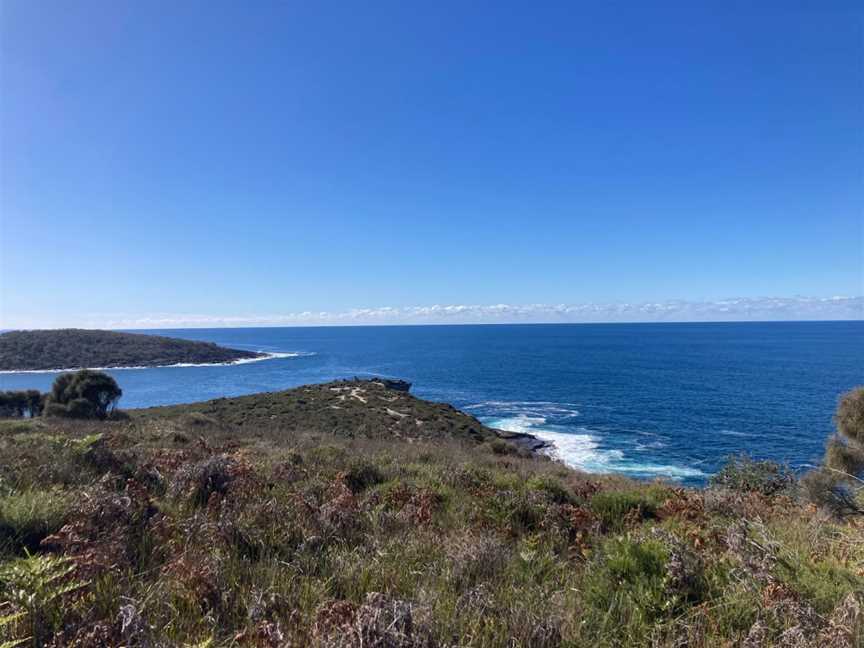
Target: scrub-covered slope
(81, 348)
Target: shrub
(743, 474)
(850, 415)
(836, 485)
(831, 492)
(501, 447)
(28, 517)
(200, 480)
(21, 404)
(83, 394)
(626, 591)
(613, 507)
(516, 512)
(362, 475)
(843, 456)
(556, 491)
(845, 451)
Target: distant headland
(54, 350)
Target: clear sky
(247, 162)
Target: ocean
(645, 400)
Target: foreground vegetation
(233, 523)
(79, 348)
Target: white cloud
(735, 309)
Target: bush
(28, 517)
(612, 507)
(21, 404)
(501, 447)
(831, 492)
(200, 480)
(850, 415)
(556, 491)
(835, 486)
(362, 475)
(743, 474)
(845, 451)
(83, 394)
(842, 455)
(626, 590)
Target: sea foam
(267, 356)
(581, 449)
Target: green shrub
(746, 475)
(82, 395)
(824, 584)
(611, 507)
(626, 590)
(516, 512)
(556, 491)
(28, 517)
(21, 404)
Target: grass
(615, 508)
(27, 517)
(188, 528)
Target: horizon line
(732, 309)
(441, 324)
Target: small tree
(83, 394)
(846, 448)
(837, 483)
(21, 404)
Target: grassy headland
(81, 348)
(349, 514)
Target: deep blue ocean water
(648, 400)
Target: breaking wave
(581, 449)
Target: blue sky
(253, 162)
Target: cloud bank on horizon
(734, 309)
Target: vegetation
(83, 394)
(846, 449)
(28, 403)
(350, 408)
(78, 348)
(234, 523)
(837, 484)
(744, 474)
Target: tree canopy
(83, 394)
(77, 348)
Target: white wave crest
(267, 356)
(733, 433)
(581, 450)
